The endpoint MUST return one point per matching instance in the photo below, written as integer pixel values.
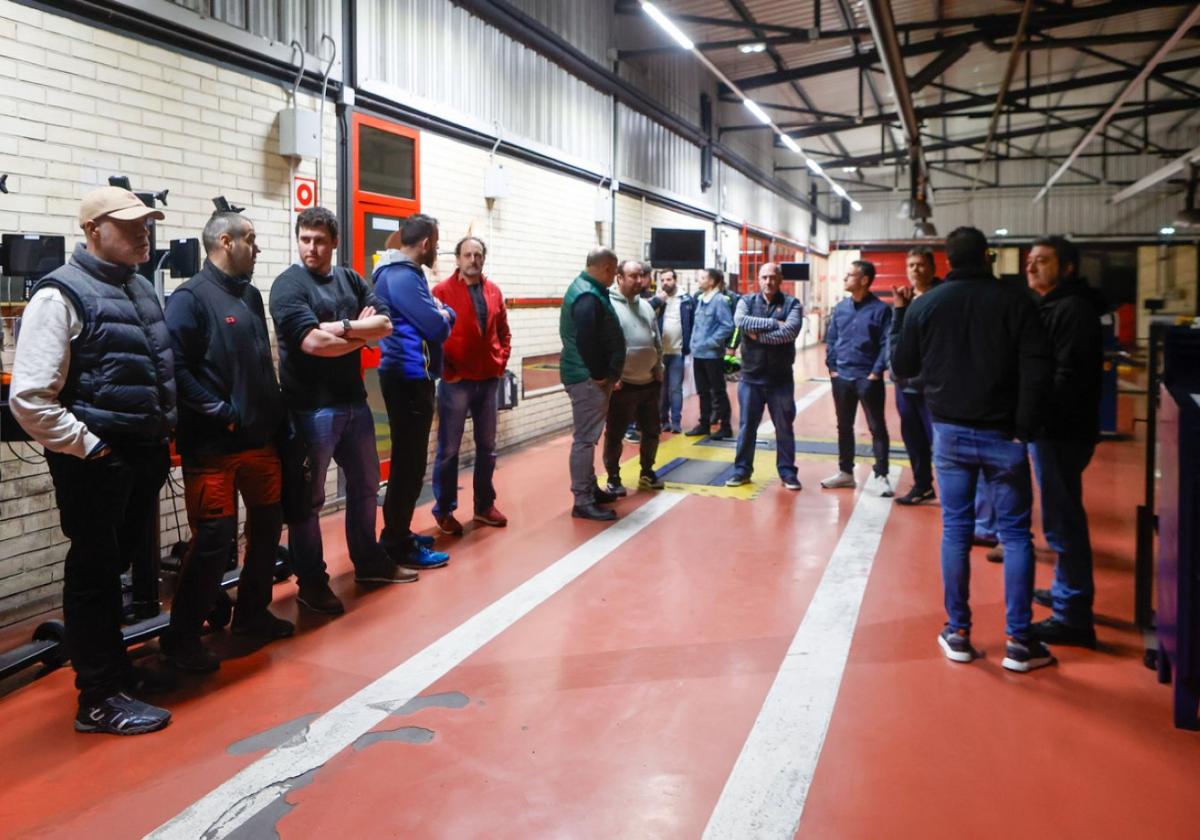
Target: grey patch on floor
(405, 734)
(695, 471)
(444, 700)
(265, 824)
(274, 737)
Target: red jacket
(468, 353)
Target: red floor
(618, 706)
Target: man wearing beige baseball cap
(94, 383)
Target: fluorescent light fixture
(755, 109)
(752, 48)
(814, 166)
(790, 143)
(1002, 231)
(837, 188)
(1166, 231)
(857, 207)
(665, 22)
(849, 168)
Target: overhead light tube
(814, 166)
(666, 23)
(790, 143)
(755, 109)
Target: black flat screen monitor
(794, 271)
(31, 255)
(676, 248)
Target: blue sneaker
(423, 540)
(424, 558)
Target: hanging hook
(297, 48)
(499, 138)
(329, 67)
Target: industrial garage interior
(744, 648)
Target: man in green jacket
(593, 357)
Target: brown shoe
(320, 599)
(449, 525)
(995, 555)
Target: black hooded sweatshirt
(1071, 314)
(982, 351)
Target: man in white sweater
(638, 394)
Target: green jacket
(609, 342)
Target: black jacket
(1071, 314)
(982, 350)
(223, 365)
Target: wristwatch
(345, 327)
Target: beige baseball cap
(115, 203)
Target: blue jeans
(672, 391)
(961, 456)
(455, 402)
(985, 511)
(1059, 466)
(916, 429)
(780, 400)
(346, 434)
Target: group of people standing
(104, 379)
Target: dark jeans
(455, 402)
(672, 389)
(962, 455)
(638, 403)
(108, 508)
(780, 401)
(847, 394)
(1059, 466)
(710, 385)
(916, 429)
(344, 434)
(410, 411)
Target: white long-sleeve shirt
(48, 326)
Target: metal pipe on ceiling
(1187, 23)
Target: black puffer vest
(768, 363)
(121, 381)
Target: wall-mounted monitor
(795, 271)
(676, 248)
(31, 254)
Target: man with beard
(408, 368)
(324, 315)
(230, 410)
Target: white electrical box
(299, 133)
(601, 209)
(495, 182)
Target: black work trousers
(714, 399)
(628, 404)
(108, 508)
(847, 394)
(410, 405)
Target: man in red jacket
(475, 356)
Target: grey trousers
(589, 410)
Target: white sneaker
(885, 486)
(842, 479)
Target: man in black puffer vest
(94, 383)
(230, 410)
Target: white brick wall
(78, 104)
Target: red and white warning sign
(306, 192)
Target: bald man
(593, 357)
(770, 322)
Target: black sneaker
(1026, 655)
(601, 497)
(650, 481)
(699, 430)
(593, 512)
(615, 489)
(956, 645)
(320, 599)
(188, 653)
(1054, 632)
(736, 480)
(264, 625)
(121, 715)
(723, 434)
(1043, 597)
(916, 496)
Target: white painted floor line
(227, 807)
(765, 794)
(766, 427)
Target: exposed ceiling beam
(1165, 173)
(1187, 23)
(939, 65)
